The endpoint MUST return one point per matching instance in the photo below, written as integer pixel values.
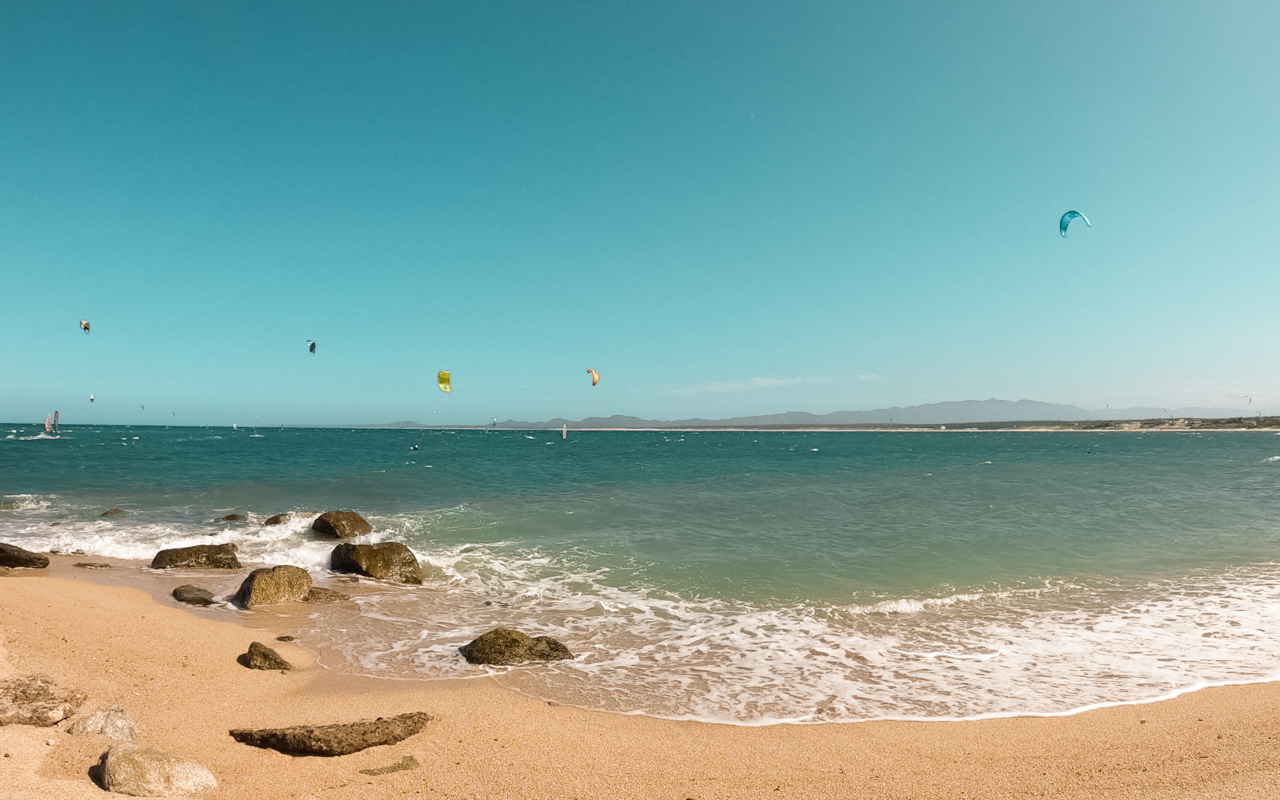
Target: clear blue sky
(725, 208)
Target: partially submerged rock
(193, 595)
(262, 657)
(112, 723)
(200, 556)
(35, 701)
(319, 594)
(93, 565)
(503, 646)
(335, 740)
(13, 556)
(143, 772)
(111, 512)
(271, 585)
(388, 561)
(280, 519)
(233, 518)
(341, 524)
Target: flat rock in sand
(112, 723)
(335, 740)
(193, 595)
(34, 700)
(503, 646)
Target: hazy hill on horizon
(947, 413)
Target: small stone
(285, 638)
(93, 565)
(112, 723)
(193, 595)
(262, 657)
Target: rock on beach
(35, 701)
(193, 595)
(112, 723)
(144, 772)
(12, 556)
(262, 657)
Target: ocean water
(742, 577)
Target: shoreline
(175, 672)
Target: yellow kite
(595, 376)
(443, 379)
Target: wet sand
(175, 672)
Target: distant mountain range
(963, 411)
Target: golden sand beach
(177, 676)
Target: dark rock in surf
(35, 701)
(111, 512)
(92, 565)
(275, 519)
(201, 556)
(502, 647)
(341, 524)
(271, 585)
(16, 557)
(388, 561)
(335, 740)
(193, 595)
(319, 594)
(262, 657)
(233, 518)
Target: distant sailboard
(564, 431)
(311, 347)
(1066, 220)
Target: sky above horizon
(726, 209)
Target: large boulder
(33, 700)
(341, 524)
(271, 585)
(388, 561)
(335, 740)
(262, 657)
(112, 723)
(502, 647)
(11, 556)
(143, 772)
(193, 595)
(201, 556)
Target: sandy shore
(176, 674)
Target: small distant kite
(84, 325)
(311, 347)
(595, 376)
(90, 398)
(442, 378)
(1066, 220)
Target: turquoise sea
(747, 577)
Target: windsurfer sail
(48, 423)
(564, 431)
(55, 422)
